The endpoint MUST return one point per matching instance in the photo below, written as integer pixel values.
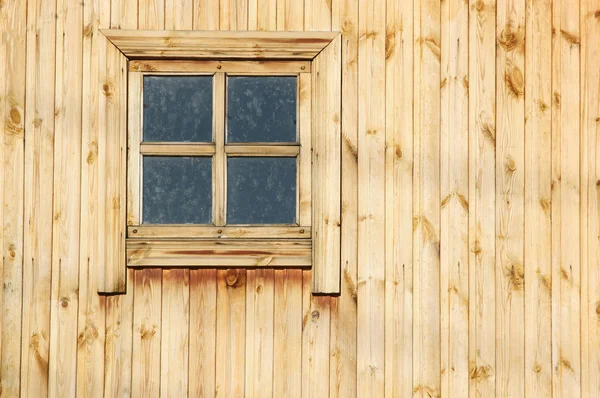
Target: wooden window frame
(125, 56)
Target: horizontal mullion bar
(262, 150)
(162, 148)
(219, 253)
(196, 231)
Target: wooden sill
(211, 232)
(226, 253)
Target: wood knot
(87, 30)
(479, 6)
(514, 80)
(107, 90)
(315, 315)
(234, 278)
(476, 248)
(543, 106)
(371, 131)
(93, 153)
(597, 14)
(556, 98)
(15, 116)
(598, 309)
(443, 83)
(259, 289)
(336, 118)
(570, 37)
(511, 165)
(64, 302)
(37, 122)
(598, 183)
(537, 368)
(510, 39)
(398, 152)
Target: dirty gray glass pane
(261, 109)
(177, 190)
(178, 108)
(261, 190)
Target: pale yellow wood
(243, 67)
(219, 252)
(168, 149)
(13, 50)
(317, 15)
(259, 333)
(134, 138)
(590, 205)
(220, 159)
(37, 244)
(136, 44)
(178, 231)
(123, 14)
(174, 347)
(290, 15)
(203, 316)
(112, 130)
(91, 322)
(66, 201)
(178, 14)
(262, 150)
(510, 180)
(287, 339)
(316, 322)
(427, 201)
(119, 342)
(326, 172)
(482, 175)
(538, 193)
(231, 333)
(399, 191)
(147, 329)
(304, 185)
(454, 190)
(566, 201)
(371, 200)
(233, 15)
(151, 14)
(343, 341)
(206, 15)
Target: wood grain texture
(538, 193)
(13, 25)
(39, 160)
(482, 198)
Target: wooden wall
(471, 213)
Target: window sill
(221, 252)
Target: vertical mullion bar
(219, 160)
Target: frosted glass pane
(261, 109)
(261, 190)
(178, 108)
(177, 190)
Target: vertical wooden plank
(317, 15)
(304, 209)
(262, 15)
(343, 341)
(147, 326)
(65, 242)
(206, 15)
(91, 322)
(233, 14)
(123, 14)
(151, 14)
(231, 333)
(37, 245)
(287, 340)
(203, 317)
(290, 15)
(482, 193)
(178, 14)
(371, 191)
(566, 199)
(426, 206)
(119, 342)
(174, 348)
(259, 333)
(454, 223)
(315, 341)
(510, 82)
(538, 179)
(13, 24)
(590, 145)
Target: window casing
(119, 51)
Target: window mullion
(219, 160)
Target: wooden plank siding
(470, 211)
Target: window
(219, 149)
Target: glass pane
(261, 109)
(261, 190)
(177, 190)
(178, 108)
